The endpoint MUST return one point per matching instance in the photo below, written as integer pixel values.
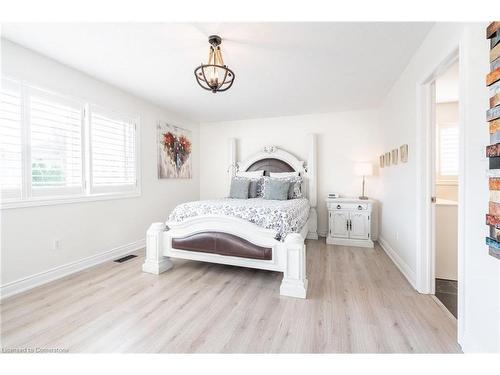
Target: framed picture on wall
(174, 151)
(403, 151)
(394, 156)
(387, 159)
(381, 161)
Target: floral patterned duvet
(284, 217)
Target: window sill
(66, 200)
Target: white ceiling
(447, 89)
(281, 68)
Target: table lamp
(363, 169)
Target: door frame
(425, 155)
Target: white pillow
(283, 174)
(253, 174)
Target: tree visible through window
(43, 174)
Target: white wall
(447, 113)
(446, 240)
(447, 212)
(87, 229)
(343, 138)
(481, 285)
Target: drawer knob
(338, 207)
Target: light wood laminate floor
(358, 302)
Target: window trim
(35, 202)
(87, 195)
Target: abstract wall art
(493, 150)
(174, 151)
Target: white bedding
(287, 216)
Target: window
(447, 152)
(54, 148)
(113, 152)
(55, 134)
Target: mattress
(287, 216)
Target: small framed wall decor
(403, 152)
(394, 156)
(381, 161)
(387, 159)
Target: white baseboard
(312, 236)
(26, 283)
(398, 261)
(322, 233)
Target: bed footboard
(233, 238)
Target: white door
(339, 224)
(359, 226)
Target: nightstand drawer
(347, 206)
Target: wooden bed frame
(288, 256)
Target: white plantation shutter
(11, 151)
(448, 153)
(55, 148)
(113, 152)
(56, 144)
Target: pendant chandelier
(214, 75)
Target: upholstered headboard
(274, 159)
(270, 165)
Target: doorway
(425, 149)
(445, 187)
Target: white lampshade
(363, 169)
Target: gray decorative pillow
(276, 188)
(256, 186)
(254, 189)
(239, 188)
(295, 189)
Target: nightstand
(351, 222)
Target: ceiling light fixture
(214, 76)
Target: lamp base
(363, 197)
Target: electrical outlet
(56, 245)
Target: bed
(255, 233)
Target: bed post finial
(312, 188)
